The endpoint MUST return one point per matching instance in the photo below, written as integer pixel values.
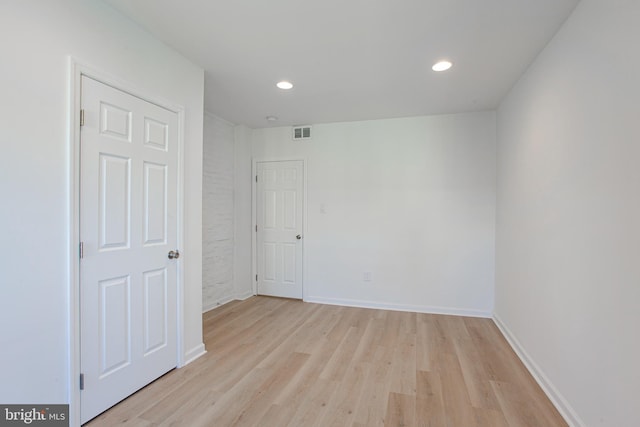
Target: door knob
(298, 237)
(174, 254)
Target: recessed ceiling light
(285, 85)
(271, 118)
(441, 66)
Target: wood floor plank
(429, 401)
(314, 336)
(343, 405)
(457, 405)
(475, 377)
(424, 345)
(314, 407)
(276, 362)
(490, 418)
(400, 410)
(231, 405)
(368, 344)
(523, 407)
(237, 322)
(382, 363)
(180, 409)
(372, 406)
(262, 397)
(497, 357)
(339, 362)
(403, 366)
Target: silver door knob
(174, 254)
(298, 237)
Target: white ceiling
(351, 59)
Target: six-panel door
(128, 224)
(279, 199)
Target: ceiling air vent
(301, 132)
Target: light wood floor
(276, 362)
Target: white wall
(243, 283)
(35, 166)
(568, 215)
(226, 212)
(217, 213)
(410, 200)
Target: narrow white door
(128, 225)
(279, 202)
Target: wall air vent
(301, 132)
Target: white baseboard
(561, 404)
(193, 354)
(244, 295)
(400, 307)
(226, 300)
(217, 303)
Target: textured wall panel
(217, 269)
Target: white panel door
(279, 202)
(128, 225)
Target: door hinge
(256, 277)
(81, 118)
(81, 250)
(81, 381)
(256, 228)
(256, 178)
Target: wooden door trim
(78, 69)
(254, 219)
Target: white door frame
(77, 69)
(254, 219)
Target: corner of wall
(561, 404)
(193, 354)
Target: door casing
(76, 70)
(254, 220)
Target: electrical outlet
(366, 276)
